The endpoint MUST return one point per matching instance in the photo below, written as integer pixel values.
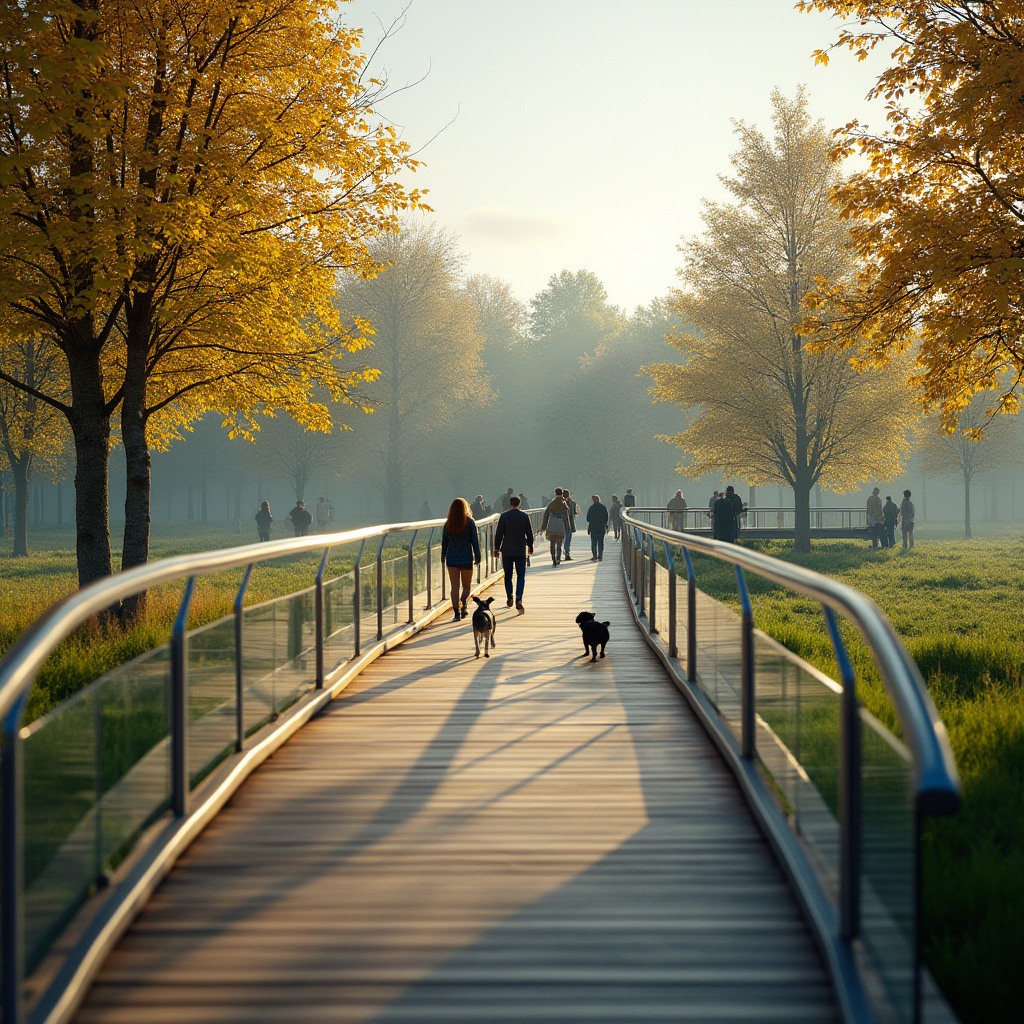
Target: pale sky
(584, 134)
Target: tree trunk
(90, 428)
(394, 494)
(802, 515)
(20, 474)
(967, 508)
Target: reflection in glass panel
(211, 696)
(889, 862)
(798, 743)
(339, 636)
(61, 845)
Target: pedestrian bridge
(326, 809)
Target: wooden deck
(525, 838)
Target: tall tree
(179, 185)
(979, 445)
(937, 212)
(426, 345)
(765, 408)
(33, 434)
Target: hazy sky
(585, 133)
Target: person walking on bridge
(597, 527)
(615, 514)
(556, 516)
(460, 551)
(677, 511)
(513, 540)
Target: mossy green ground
(959, 608)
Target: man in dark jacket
(513, 540)
(737, 509)
(723, 519)
(301, 518)
(597, 527)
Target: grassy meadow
(959, 608)
(31, 585)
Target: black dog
(483, 626)
(595, 634)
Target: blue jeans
(567, 543)
(597, 544)
(517, 563)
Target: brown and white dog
(483, 626)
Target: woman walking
(460, 551)
(555, 524)
(263, 520)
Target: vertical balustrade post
(179, 704)
(12, 862)
(430, 570)
(747, 698)
(318, 594)
(850, 796)
(652, 604)
(357, 602)
(239, 612)
(411, 584)
(380, 588)
(673, 649)
(691, 619)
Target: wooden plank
(530, 836)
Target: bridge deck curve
(529, 837)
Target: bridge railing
(840, 798)
(767, 518)
(81, 784)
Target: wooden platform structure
(526, 838)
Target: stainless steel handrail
(936, 784)
(24, 659)
(938, 788)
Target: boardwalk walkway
(528, 838)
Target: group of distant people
(514, 538)
(883, 517)
(300, 516)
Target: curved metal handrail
(23, 660)
(34, 646)
(938, 787)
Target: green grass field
(31, 585)
(959, 607)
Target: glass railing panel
(339, 635)
(798, 743)
(719, 658)
(296, 620)
(661, 584)
(889, 862)
(136, 752)
(368, 609)
(263, 651)
(211, 696)
(61, 839)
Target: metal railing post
(691, 619)
(673, 634)
(412, 611)
(430, 571)
(357, 603)
(12, 859)
(850, 795)
(652, 580)
(179, 704)
(747, 698)
(318, 607)
(380, 589)
(239, 612)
